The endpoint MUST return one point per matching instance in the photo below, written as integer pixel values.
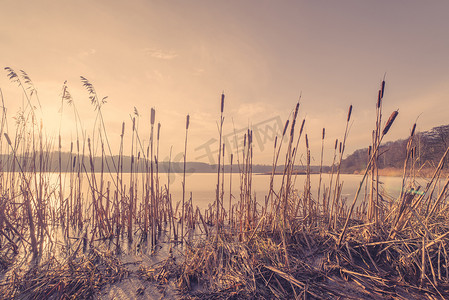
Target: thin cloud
(198, 71)
(252, 109)
(161, 54)
(87, 53)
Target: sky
(180, 56)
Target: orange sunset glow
(234, 149)
(178, 56)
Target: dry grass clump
(318, 270)
(215, 266)
(5, 262)
(161, 273)
(76, 278)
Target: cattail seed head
(292, 130)
(413, 130)
(223, 149)
(134, 124)
(369, 150)
(324, 133)
(187, 121)
(349, 113)
(379, 98)
(7, 138)
(390, 122)
(232, 157)
(336, 144)
(307, 142)
(285, 127)
(123, 129)
(275, 141)
(222, 102)
(296, 110)
(339, 148)
(302, 126)
(383, 88)
(158, 130)
(153, 115)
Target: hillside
(429, 147)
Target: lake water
(203, 185)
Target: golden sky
(179, 56)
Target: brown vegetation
(287, 245)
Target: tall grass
(271, 248)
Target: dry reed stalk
(433, 180)
(286, 191)
(384, 132)
(274, 207)
(230, 193)
(170, 203)
(156, 159)
(184, 180)
(217, 197)
(402, 197)
(375, 170)
(250, 215)
(335, 199)
(223, 211)
(119, 193)
(131, 185)
(439, 199)
(329, 213)
(152, 208)
(399, 218)
(308, 213)
(241, 203)
(92, 182)
(371, 205)
(321, 171)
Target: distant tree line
(428, 148)
(49, 162)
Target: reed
(336, 198)
(321, 171)
(384, 132)
(290, 243)
(184, 180)
(217, 199)
(230, 191)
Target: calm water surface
(203, 185)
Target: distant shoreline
(398, 172)
(282, 173)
